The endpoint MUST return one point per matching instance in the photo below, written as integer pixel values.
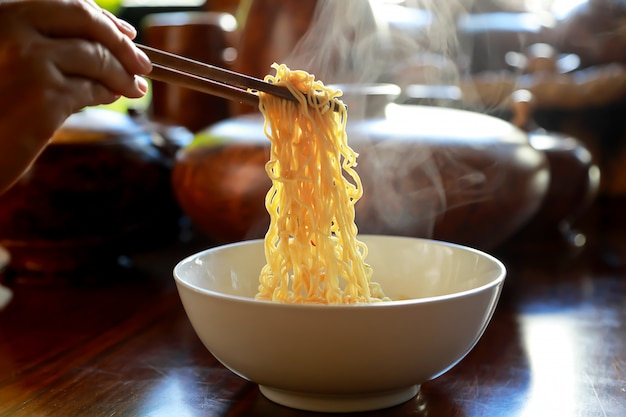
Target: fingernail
(144, 60)
(128, 27)
(141, 84)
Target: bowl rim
(498, 280)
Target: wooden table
(556, 345)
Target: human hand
(57, 57)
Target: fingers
(84, 59)
(82, 19)
(87, 93)
(125, 27)
(122, 25)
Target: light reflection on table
(556, 346)
(550, 345)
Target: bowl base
(339, 403)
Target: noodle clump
(311, 247)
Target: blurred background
(491, 119)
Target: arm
(57, 57)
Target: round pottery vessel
(575, 178)
(99, 190)
(344, 358)
(428, 172)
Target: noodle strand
(311, 247)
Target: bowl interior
(407, 268)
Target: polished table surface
(556, 345)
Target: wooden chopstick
(208, 78)
(171, 68)
(203, 85)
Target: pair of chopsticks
(199, 76)
(185, 72)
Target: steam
(412, 178)
(357, 41)
(363, 42)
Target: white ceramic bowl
(344, 358)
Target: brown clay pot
(594, 31)
(427, 172)
(101, 189)
(204, 36)
(574, 184)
